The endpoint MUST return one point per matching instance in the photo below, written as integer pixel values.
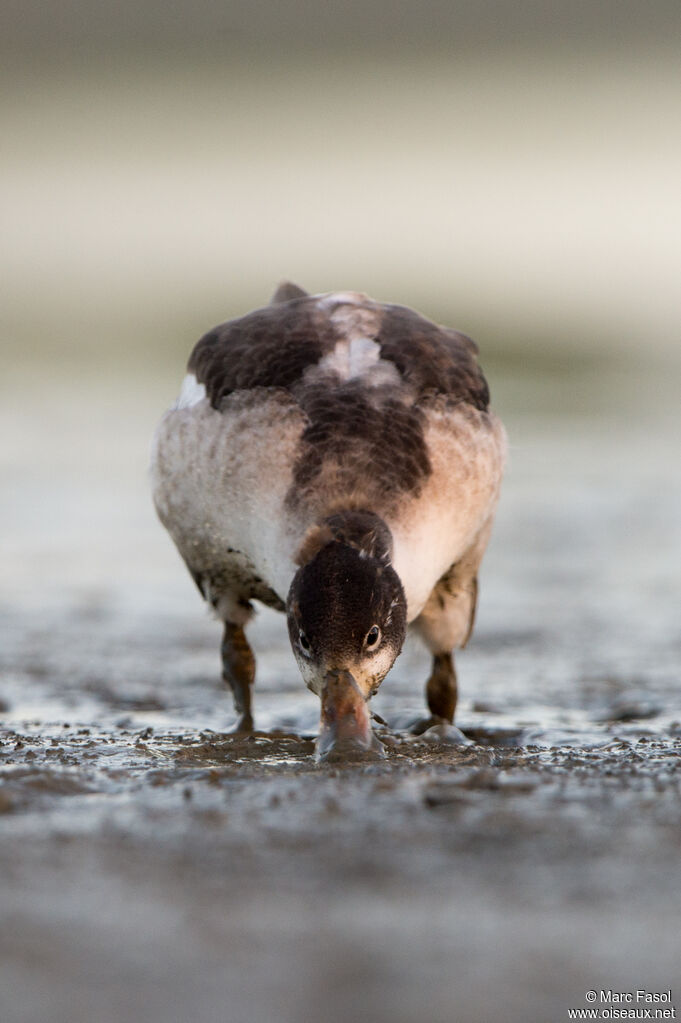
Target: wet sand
(155, 868)
(178, 878)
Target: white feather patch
(191, 392)
(356, 355)
(351, 358)
(336, 298)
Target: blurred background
(509, 169)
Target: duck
(334, 458)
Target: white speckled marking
(352, 358)
(191, 392)
(356, 355)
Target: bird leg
(441, 693)
(441, 688)
(238, 671)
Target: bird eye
(304, 641)
(372, 636)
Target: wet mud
(154, 867)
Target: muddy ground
(154, 868)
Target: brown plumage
(336, 457)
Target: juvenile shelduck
(335, 459)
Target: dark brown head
(347, 619)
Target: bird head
(347, 620)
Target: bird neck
(361, 530)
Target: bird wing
(275, 345)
